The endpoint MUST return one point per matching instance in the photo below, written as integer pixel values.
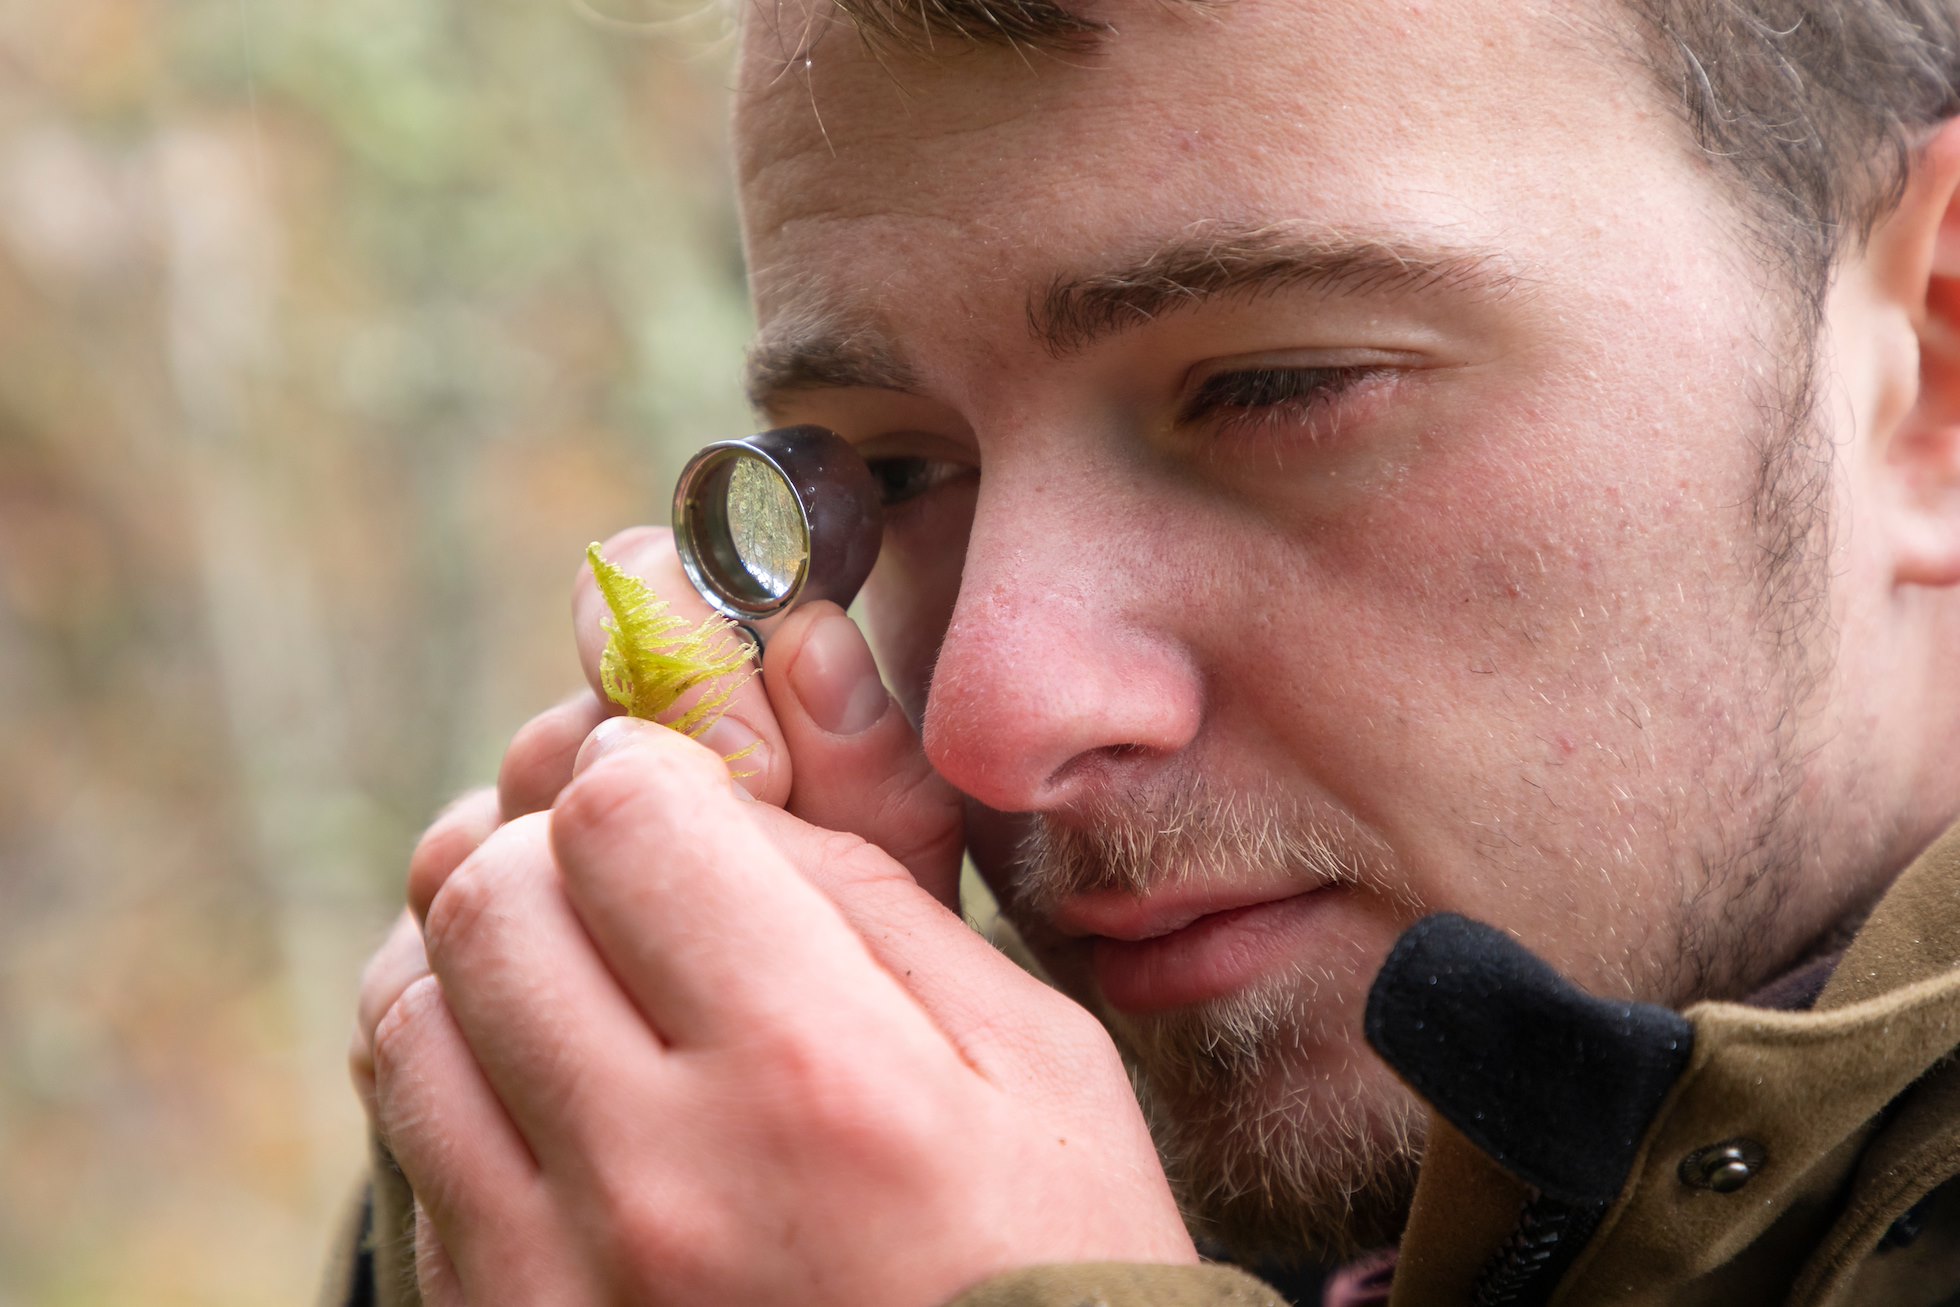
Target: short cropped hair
(1813, 109)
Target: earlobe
(1915, 257)
(1926, 537)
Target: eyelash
(1257, 396)
(1249, 398)
(901, 479)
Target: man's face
(1325, 444)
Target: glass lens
(765, 526)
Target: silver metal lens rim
(698, 550)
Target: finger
(995, 1013)
(435, 1273)
(569, 1057)
(397, 964)
(747, 722)
(455, 1145)
(710, 929)
(538, 762)
(858, 764)
(451, 837)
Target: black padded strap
(1557, 1086)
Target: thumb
(856, 761)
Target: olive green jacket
(1584, 1153)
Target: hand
(873, 782)
(687, 1049)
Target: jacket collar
(1756, 1156)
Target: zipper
(1532, 1261)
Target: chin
(1284, 1137)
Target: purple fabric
(1363, 1282)
(1796, 990)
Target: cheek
(1517, 653)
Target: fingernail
(744, 752)
(835, 678)
(609, 736)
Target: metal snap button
(1724, 1167)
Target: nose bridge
(1055, 651)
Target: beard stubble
(1276, 1142)
(1284, 1138)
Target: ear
(1914, 261)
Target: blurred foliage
(329, 335)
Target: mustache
(1191, 833)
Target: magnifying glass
(771, 521)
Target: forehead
(860, 169)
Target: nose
(1060, 674)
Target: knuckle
(1044, 1044)
(925, 839)
(596, 798)
(910, 815)
(769, 767)
(461, 902)
(659, 1238)
(376, 977)
(455, 833)
(402, 1031)
(1040, 1022)
(634, 784)
(474, 891)
(845, 858)
(842, 1108)
(360, 1061)
(538, 746)
(915, 797)
(1073, 1027)
(1077, 1037)
(396, 962)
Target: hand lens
(771, 521)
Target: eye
(903, 478)
(1271, 393)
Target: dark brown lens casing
(835, 500)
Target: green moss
(655, 659)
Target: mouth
(1149, 956)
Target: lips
(1161, 953)
(1117, 915)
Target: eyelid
(1265, 391)
(909, 464)
(904, 478)
(1317, 360)
(909, 442)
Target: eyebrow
(1212, 261)
(818, 351)
(1209, 261)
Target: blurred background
(329, 335)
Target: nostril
(1098, 769)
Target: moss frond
(654, 658)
